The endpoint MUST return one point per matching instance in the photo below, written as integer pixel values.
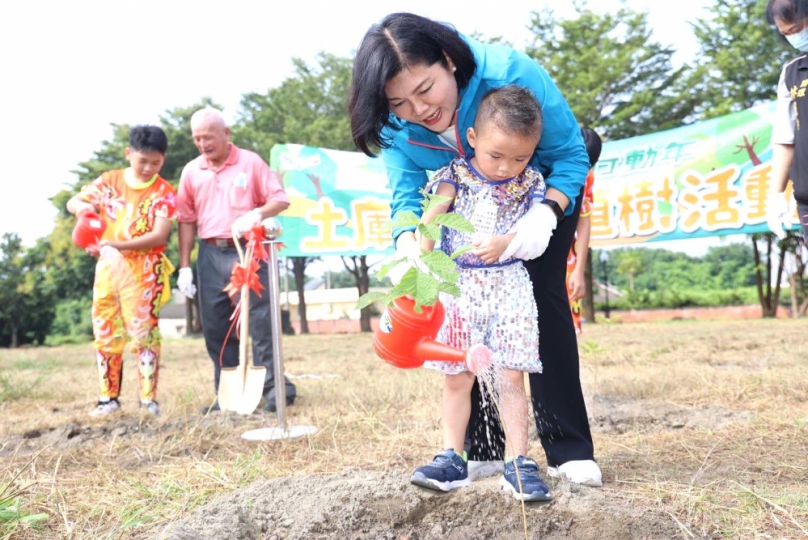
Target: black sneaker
(446, 472)
(269, 404)
(532, 486)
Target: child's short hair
(148, 139)
(513, 109)
(593, 144)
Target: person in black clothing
(789, 144)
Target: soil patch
(121, 427)
(620, 414)
(361, 505)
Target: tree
(769, 298)
(740, 57)
(630, 264)
(308, 108)
(299, 272)
(794, 244)
(731, 266)
(358, 267)
(612, 74)
(26, 299)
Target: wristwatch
(559, 213)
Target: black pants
(802, 208)
(558, 401)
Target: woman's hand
(408, 249)
(533, 232)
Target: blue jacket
(561, 154)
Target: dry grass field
(701, 429)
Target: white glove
(410, 252)
(246, 222)
(777, 214)
(185, 282)
(533, 232)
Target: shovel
(241, 387)
(254, 376)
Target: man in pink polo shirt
(226, 187)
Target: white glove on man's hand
(777, 216)
(246, 222)
(185, 282)
(410, 251)
(533, 232)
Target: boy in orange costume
(132, 273)
(576, 260)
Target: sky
(70, 69)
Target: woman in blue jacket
(415, 91)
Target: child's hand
(93, 249)
(84, 206)
(489, 248)
(120, 246)
(577, 285)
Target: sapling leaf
(449, 288)
(438, 262)
(429, 230)
(408, 284)
(426, 292)
(386, 267)
(405, 218)
(434, 271)
(431, 200)
(454, 221)
(368, 298)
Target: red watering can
(88, 230)
(406, 339)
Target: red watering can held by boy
(406, 339)
(88, 230)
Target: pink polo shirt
(214, 199)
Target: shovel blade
(253, 390)
(231, 387)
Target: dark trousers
(558, 401)
(214, 266)
(802, 208)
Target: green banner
(705, 179)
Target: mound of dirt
(361, 505)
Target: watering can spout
(435, 350)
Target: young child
(496, 307)
(576, 260)
(132, 273)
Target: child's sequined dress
(496, 306)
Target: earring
(454, 68)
